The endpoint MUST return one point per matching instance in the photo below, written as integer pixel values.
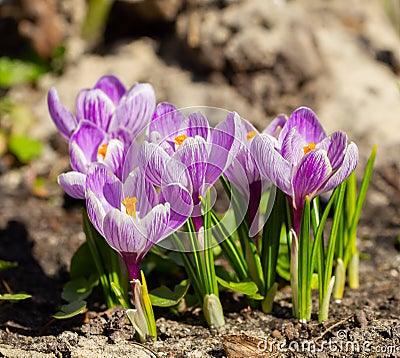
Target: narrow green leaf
(14, 296)
(5, 265)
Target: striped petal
(73, 183)
(270, 162)
(112, 87)
(95, 106)
(311, 173)
(62, 118)
(335, 145)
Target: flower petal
(307, 124)
(105, 185)
(95, 106)
(166, 121)
(135, 109)
(335, 145)
(292, 147)
(270, 162)
(224, 146)
(275, 127)
(196, 124)
(73, 183)
(124, 234)
(193, 154)
(95, 211)
(153, 161)
(310, 174)
(84, 144)
(114, 158)
(112, 87)
(136, 185)
(156, 223)
(62, 118)
(181, 205)
(348, 165)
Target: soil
(260, 58)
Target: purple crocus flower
(108, 118)
(304, 161)
(131, 215)
(190, 152)
(244, 173)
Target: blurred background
(257, 57)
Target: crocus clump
(304, 161)
(107, 120)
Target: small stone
(276, 334)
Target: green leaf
(164, 297)
(82, 263)
(248, 288)
(14, 296)
(79, 289)
(14, 71)
(70, 310)
(5, 265)
(24, 148)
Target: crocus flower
(108, 118)
(193, 154)
(131, 215)
(244, 173)
(304, 161)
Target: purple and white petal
(224, 146)
(166, 121)
(349, 164)
(270, 162)
(153, 161)
(293, 147)
(193, 154)
(335, 145)
(307, 124)
(276, 126)
(311, 173)
(95, 211)
(181, 204)
(196, 124)
(156, 223)
(95, 106)
(84, 145)
(105, 185)
(73, 183)
(135, 109)
(112, 87)
(114, 158)
(62, 118)
(136, 185)
(123, 233)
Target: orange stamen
(308, 148)
(250, 135)
(180, 139)
(130, 205)
(102, 151)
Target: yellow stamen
(251, 134)
(308, 148)
(130, 205)
(180, 138)
(102, 151)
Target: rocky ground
(259, 58)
